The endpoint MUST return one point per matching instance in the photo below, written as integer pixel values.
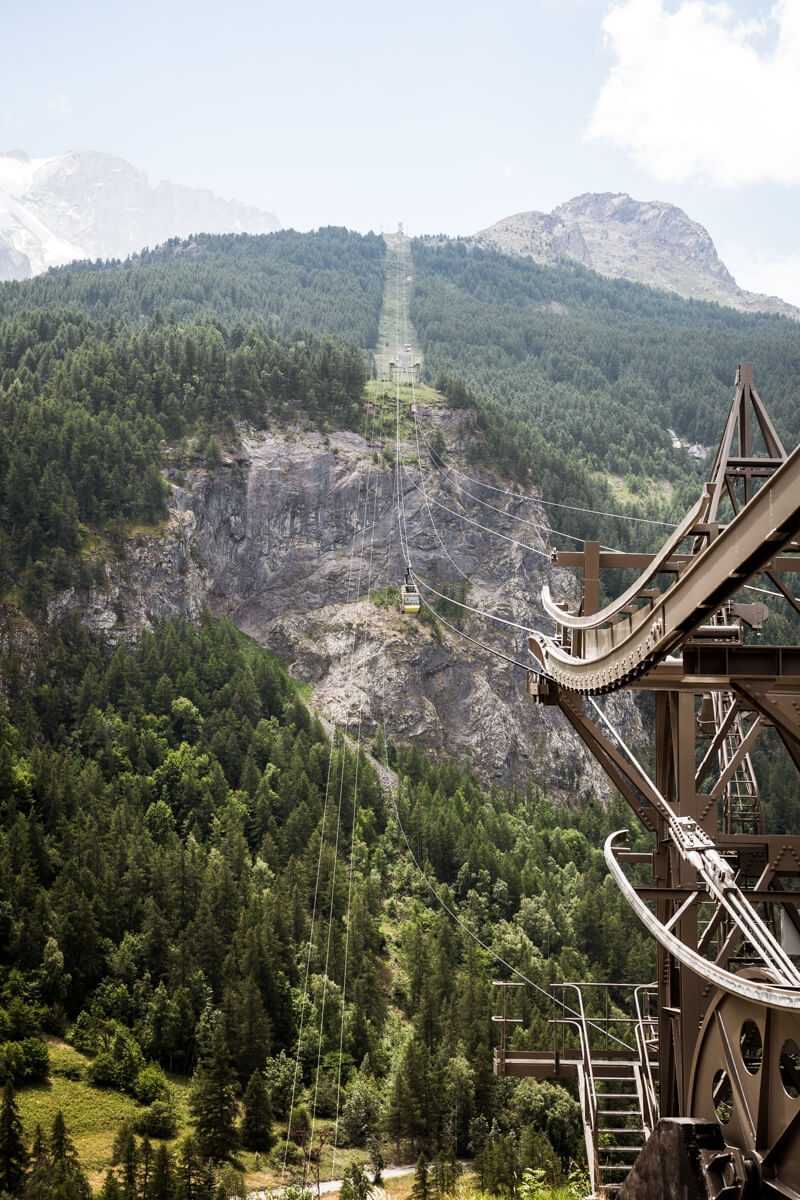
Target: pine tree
(445, 1173)
(39, 1147)
(376, 1157)
(60, 1146)
(13, 1153)
(145, 1166)
(57, 1173)
(69, 1179)
(125, 1154)
(193, 1180)
(421, 1188)
(213, 1101)
(355, 1185)
(111, 1189)
(257, 1121)
(162, 1183)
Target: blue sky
(444, 116)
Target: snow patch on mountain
(85, 204)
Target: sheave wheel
(746, 1075)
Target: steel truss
(723, 899)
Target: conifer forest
(241, 950)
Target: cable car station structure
(690, 1087)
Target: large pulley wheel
(746, 1075)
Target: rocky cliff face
(89, 205)
(651, 242)
(293, 538)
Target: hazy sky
(446, 116)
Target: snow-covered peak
(18, 171)
(87, 204)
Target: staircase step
(616, 1112)
(619, 1149)
(621, 1129)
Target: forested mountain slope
(192, 875)
(595, 370)
(330, 281)
(87, 410)
(152, 471)
(183, 851)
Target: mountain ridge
(89, 205)
(649, 242)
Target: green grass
(252, 649)
(385, 597)
(656, 489)
(129, 528)
(92, 1115)
(247, 644)
(384, 427)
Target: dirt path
(333, 1185)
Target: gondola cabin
(409, 598)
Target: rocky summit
(644, 241)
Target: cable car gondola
(409, 595)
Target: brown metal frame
(685, 644)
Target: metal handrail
(646, 1036)
(586, 1083)
(639, 1061)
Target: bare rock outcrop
(296, 540)
(645, 241)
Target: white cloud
(694, 96)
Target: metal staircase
(616, 1080)
(620, 1127)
